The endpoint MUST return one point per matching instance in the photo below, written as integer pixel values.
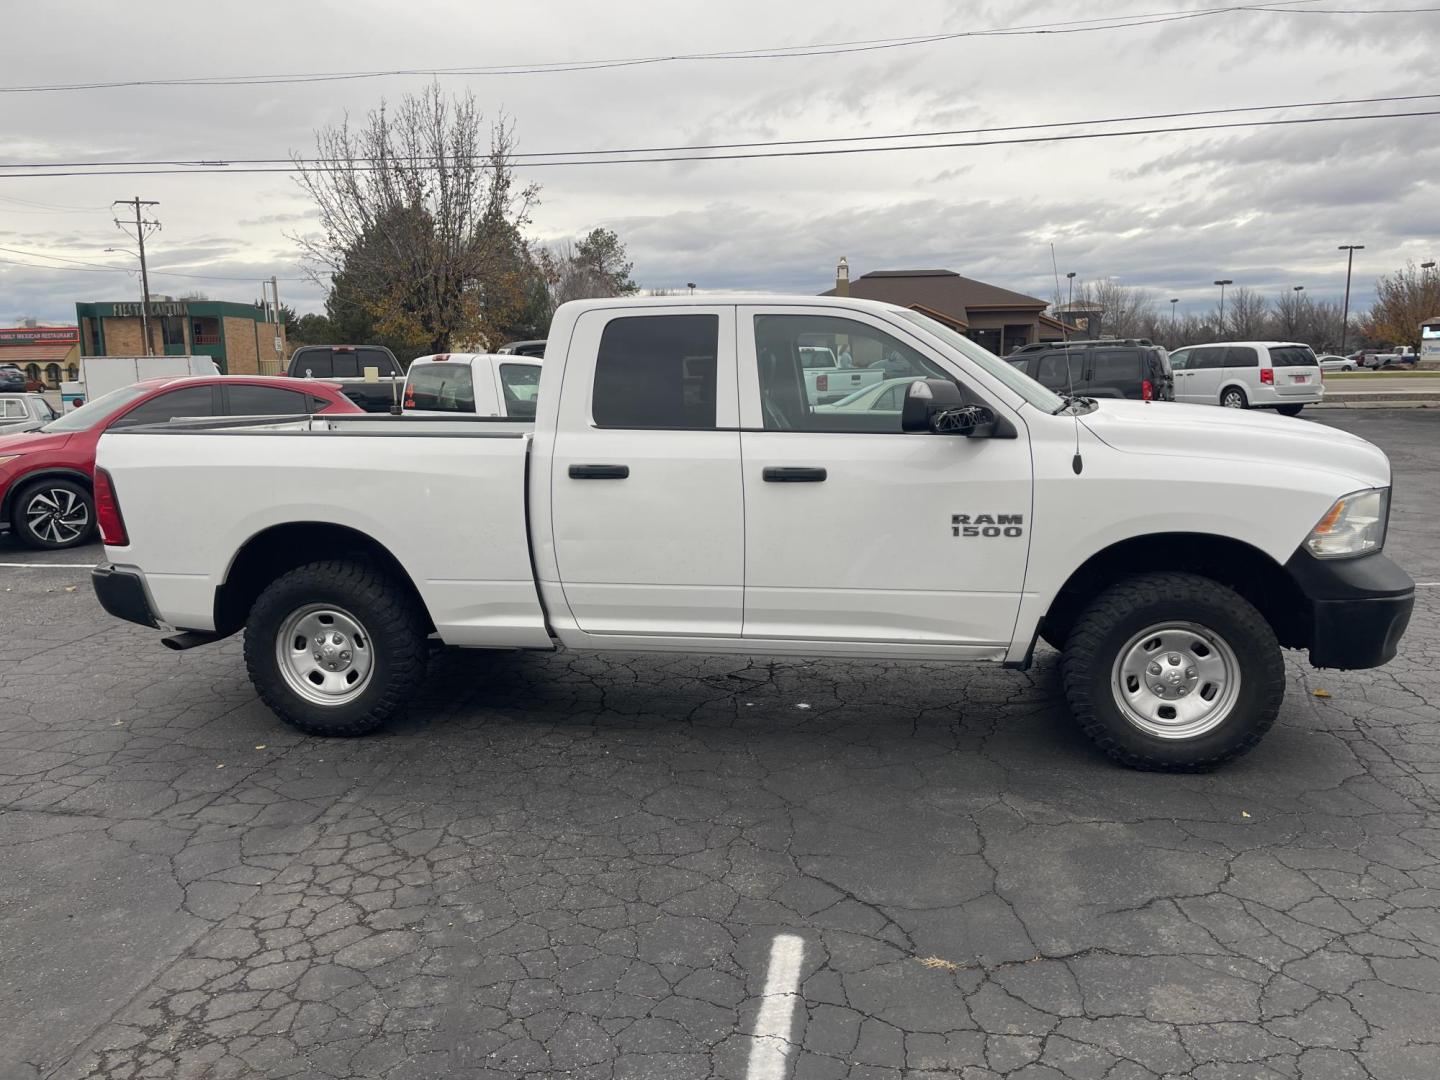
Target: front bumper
(122, 593)
(1359, 608)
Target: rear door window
(1119, 369)
(657, 371)
(520, 386)
(1291, 356)
(1241, 356)
(441, 388)
(249, 400)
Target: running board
(189, 639)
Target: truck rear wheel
(335, 647)
(1173, 672)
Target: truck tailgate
(448, 504)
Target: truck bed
(445, 496)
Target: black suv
(1134, 368)
(11, 378)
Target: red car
(46, 475)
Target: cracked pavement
(562, 866)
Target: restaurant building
(238, 337)
(999, 319)
(46, 354)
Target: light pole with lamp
(1349, 265)
(1222, 282)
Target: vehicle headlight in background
(1355, 525)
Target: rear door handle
(793, 474)
(599, 472)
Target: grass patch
(1398, 376)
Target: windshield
(98, 411)
(1012, 377)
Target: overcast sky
(1266, 207)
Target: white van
(481, 384)
(1280, 375)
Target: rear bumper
(1359, 608)
(122, 593)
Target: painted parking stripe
(770, 1044)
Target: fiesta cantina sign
(120, 311)
(39, 335)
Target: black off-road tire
(1128, 608)
(20, 520)
(1289, 410)
(398, 633)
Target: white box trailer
(101, 374)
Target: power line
(226, 163)
(1073, 26)
(109, 268)
(1028, 140)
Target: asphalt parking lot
(559, 866)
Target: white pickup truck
(477, 384)
(674, 488)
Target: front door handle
(793, 474)
(599, 472)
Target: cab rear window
(441, 388)
(1291, 356)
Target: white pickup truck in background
(475, 384)
(678, 481)
(827, 381)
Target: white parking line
(48, 565)
(770, 1044)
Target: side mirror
(924, 398)
(937, 406)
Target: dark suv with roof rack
(1134, 368)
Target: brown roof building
(998, 319)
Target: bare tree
(421, 220)
(1126, 311)
(1247, 315)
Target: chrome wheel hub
(57, 515)
(1176, 680)
(324, 654)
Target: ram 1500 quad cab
(679, 490)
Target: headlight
(5, 459)
(1355, 525)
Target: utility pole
(1222, 282)
(141, 224)
(1349, 265)
(275, 293)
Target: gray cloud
(1170, 213)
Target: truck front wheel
(1173, 672)
(335, 647)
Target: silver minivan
(1281, 375)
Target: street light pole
(1349, 265)
(1222, 282)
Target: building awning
(34, 354)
